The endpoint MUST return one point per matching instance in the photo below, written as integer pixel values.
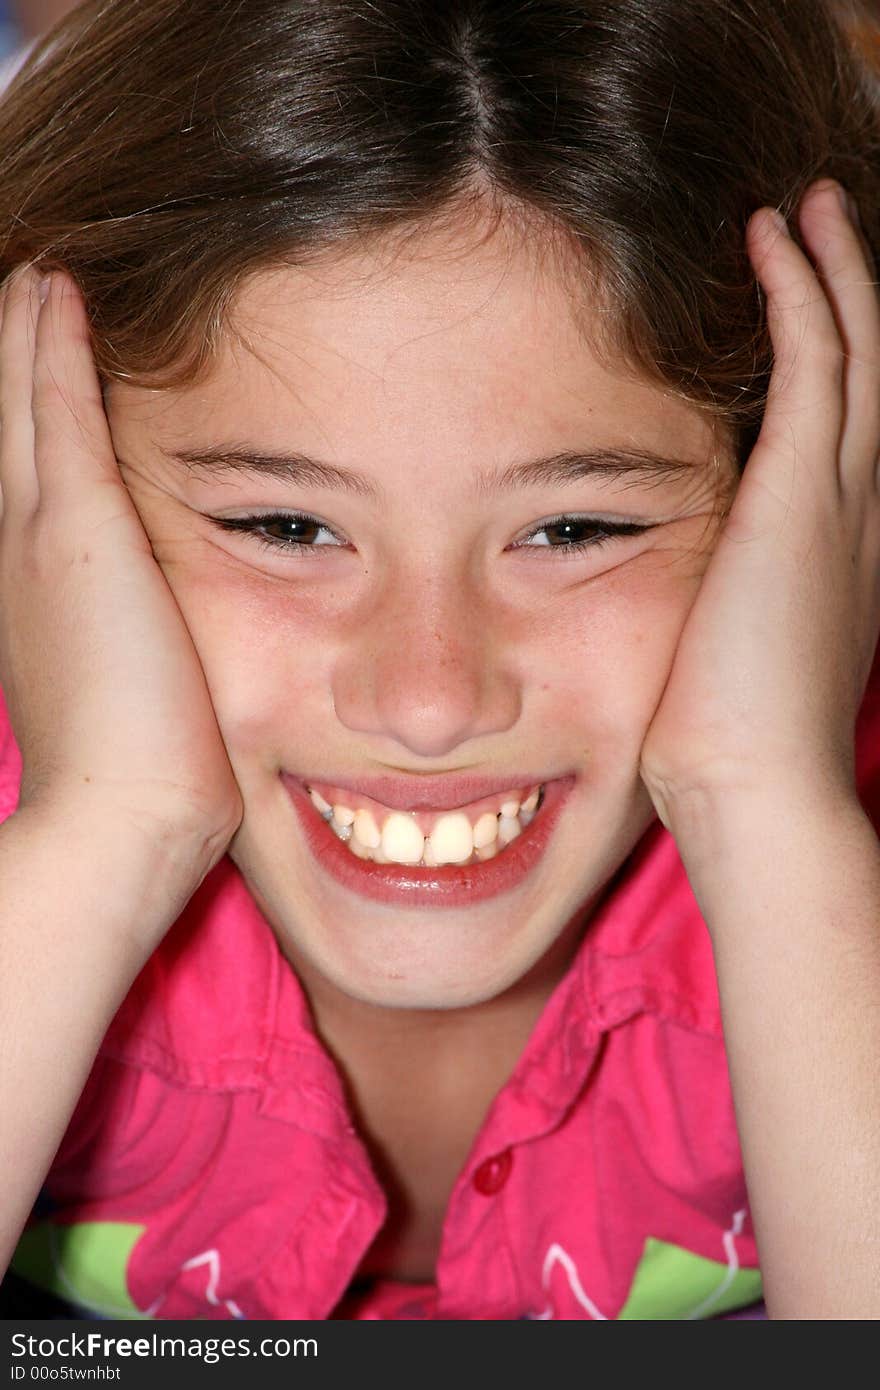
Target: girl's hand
(773, 660)
(106, 695)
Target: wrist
(709, 822)
(750, 849)
(139, 878)
(149, 835)
(795, 872)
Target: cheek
(265, 651)
(602, 655)
(592, 659)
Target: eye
(291, 532)
(577, 533)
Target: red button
(491, 1176)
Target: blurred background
(20, 22)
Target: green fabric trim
(84, 1263)
(672, 1283)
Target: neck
(344, 1022)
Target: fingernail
(44, 288)
(779, 222)
(852, 208)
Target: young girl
(439, 584)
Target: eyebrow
(564, 467)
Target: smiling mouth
(428, 839)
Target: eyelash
(251, 524)
(605, 531)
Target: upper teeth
(452, 839)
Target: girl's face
(437, 639)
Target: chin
(400, 955)
(415, 964)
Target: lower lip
(454, 885)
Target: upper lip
(443, 792)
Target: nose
(426, 669)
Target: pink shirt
(212, 1168)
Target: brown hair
(162, 151)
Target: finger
(18, 478)
(836, 246)
(867, 252)
(2, 304)
(804, 413)
(71, 435)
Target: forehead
(446, 342)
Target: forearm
(77, 905)
(790, 890)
